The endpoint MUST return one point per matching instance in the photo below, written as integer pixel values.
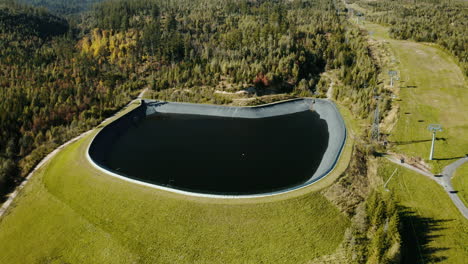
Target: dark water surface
(221, 155)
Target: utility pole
(434, 128)
(392, 75)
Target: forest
(441, 22)
(195, 48)
(49, 91)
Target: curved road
(447, 174)
(443, 179)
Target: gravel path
(443, 179)
(13, 195)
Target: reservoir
(221, 154)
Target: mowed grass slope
(433, 90)
(71, 213)
(434, 230)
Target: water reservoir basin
(221, 151)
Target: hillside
(49, 92)
(26, 21)
(65, 66)
(431, 89)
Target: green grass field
(432, 89)
(460, 182)
(71, 213)
(434, 230)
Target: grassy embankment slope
(71, 213)
(432, 90)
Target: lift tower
(433, 128)
(392, 75)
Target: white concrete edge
(220, 196)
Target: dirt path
(18, 189)
(443, 180)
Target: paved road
(444, 180)
(13, 195)
(447, 174)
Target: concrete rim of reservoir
(324, 108)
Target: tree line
(208, 45)
(63, 7)
(49, 91)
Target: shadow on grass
(416, 141)
(452, 158)
(417, 233)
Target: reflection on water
(221, 155)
